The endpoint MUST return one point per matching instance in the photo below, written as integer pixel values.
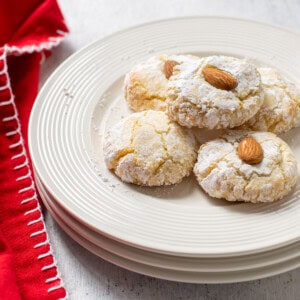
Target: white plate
(190, 264)
(83, 98)
(191, 276)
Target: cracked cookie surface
(222, 174)
(281, 108)
(147, 148)
(192, 101)
(145, 86)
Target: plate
(190, 264)
(83, 98)
(190, 276)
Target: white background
(89, 277)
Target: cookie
(281, 108)
(214, 92)
(148, 149)
(222, 171)
(145, 86)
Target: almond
(250, 151)
(218, 78)
(168, 67)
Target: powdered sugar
(146, 148)
(222, 174)
(191, 98)
(145, 86)
(281, 108)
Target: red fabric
(28, 29)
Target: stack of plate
(175, 232)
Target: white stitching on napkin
(45, 268)
(60, 32)
(46, 242)
(17, 144)
(45, 255)
(52, 279)
(22, 153)
(38, 232)
(55, 288)
(52, 42)
(28, 212)
(8, 102)
(25, 164)
(29, 199)
(5, 87)
(13, 132)
(21, 165)
(10, 118)
(34, 221)
(4, 70)
(26, 189)
(28, 175)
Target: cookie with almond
(214, 92)
(145, 86)
(246, 166)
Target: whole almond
(250, 151)
(168, 67)
(218, 78)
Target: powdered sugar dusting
(281, 108)
(222, 174)
(145, 86)
(192, 101)
(146, 148)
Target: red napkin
(28, 30)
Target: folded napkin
(28, 30)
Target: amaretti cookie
(214, 92)
(281, 108)
(148, 149)
(246, 166)
(145, 85)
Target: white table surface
(89, 277)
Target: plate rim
(76, 227)
(145, 269)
